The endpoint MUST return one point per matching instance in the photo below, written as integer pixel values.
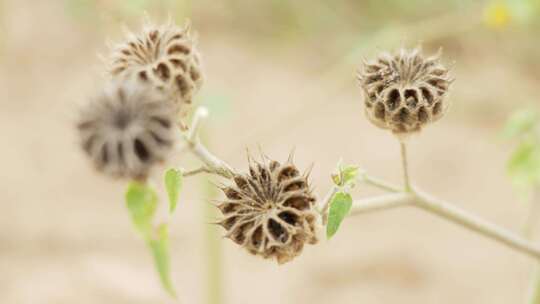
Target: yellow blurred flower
(497, 15)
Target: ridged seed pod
(127, 129)
(405, 91)
(270, 211)
(163, 56)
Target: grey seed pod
(164, 56)
(270, 211)
(127, 129)
(405, 91)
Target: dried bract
(405, 91)
(127, 129)
(270, 211)
(165, 57)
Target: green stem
(214, 292)
(405, 165)
(534, 289)
(532, 219)
(212, 240)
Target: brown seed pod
(127, 129)
(270, 211)
(405, 91)
(164, 56)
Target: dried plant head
(163, 56)
(127, 129)
(404, 91)
(270, 211)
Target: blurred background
(279, 74)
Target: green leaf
(141, 202)
(173, 184)
(345, 175)
(339, 208)
(524, 165)
(135, 7)
(349, 175)
(159, 245)
(520, 123)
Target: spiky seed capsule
(270, 211)
(127, 129)
(405, 91)
(164, 56)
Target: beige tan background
(280, 75)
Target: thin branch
(200, 114)
(197, 171)
(378, 183)
(405, 165)
(213, 163)
(533, 296)
(443, 209)
(382, 202)
(474, 223)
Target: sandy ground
(65, 236)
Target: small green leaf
(345, 175)
(349, 175)
(141, 202)
(336, 178)
(339, 208)
(159, 244)
(524, 165)
(521, 122)
(173, 184)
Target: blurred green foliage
(524, 164)
(159, 245)
(142, 201)
(173, 184)
(95, 11)
(499, 14)
(282, 18)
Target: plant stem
(213, 163)
(378, 183)
(197, 171)
(533, 297)
(445, 210)
(382, 202)
(214, 265)
(405, 165)
(474, 223)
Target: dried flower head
(127, 129)
(405, 91)
(164, 56)
(270, 211)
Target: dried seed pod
(270, 211)
(127, 129)
(405, 91)
(163, 56)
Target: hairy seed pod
(164, 56)
(405, 91)
(270, 211)
(127, 129)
